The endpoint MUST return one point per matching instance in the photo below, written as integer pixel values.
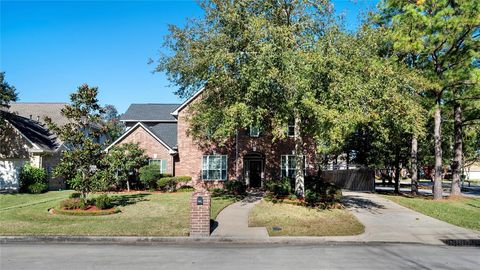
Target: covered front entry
(254, 164)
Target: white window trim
(281, 164)
(208, 162)
(162, 170)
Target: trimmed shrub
(75, 195)
(323, 194)
(185, 189)
(150, 174)
(183, 178)
(217, 192)
(37, 188)
(280, 188)
(103, 202)
(168, 184)
(33, 179)
(235, 187)
(73, 204)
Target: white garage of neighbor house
(25, 138)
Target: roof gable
(39, 110)
(149, 112)
(172, 137)
(188, 101)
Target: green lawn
(302, 221)
(463, 212)
(146, 214)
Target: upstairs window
(254, 131)
(162, 164)
(291, 130)
(214, 167)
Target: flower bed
(90, 211)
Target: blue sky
(47, 49)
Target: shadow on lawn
(128, 199)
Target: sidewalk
(232, 222)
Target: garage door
(9, 170)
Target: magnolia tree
(84, 139)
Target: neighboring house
(26, 138)
(252, 156)
(472, 172)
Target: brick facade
(190, 153)
(200, 214)
(153, 148)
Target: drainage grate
(276, 228)
(462, 242)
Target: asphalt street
(229, 256)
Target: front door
(255, 173)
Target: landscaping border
(86, 213)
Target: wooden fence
(353, 179)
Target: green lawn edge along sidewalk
(142, 214)
(460, 211)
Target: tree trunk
(83, 191)
(458, 149)
(437, 181)
(299, 158)
(414, 166)
(397, 173)
(128, 185)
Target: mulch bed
(90, 211)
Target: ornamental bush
(323, 194)
(75, 195)
(37, 188)
(280, 188)
(235, 187)
(103, 202)
(73, 203)
(167, 184)
(150, 174)
(33, 179)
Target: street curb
(132, 240)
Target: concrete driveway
(386, 221)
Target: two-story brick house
(252, 156)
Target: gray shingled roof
(150, 112)
(39, 110)
(35, 131)
(167, 132)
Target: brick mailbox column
(200, 214)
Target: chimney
(38, 118)
(30, 117)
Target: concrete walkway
(232, 222)
(386, 221)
